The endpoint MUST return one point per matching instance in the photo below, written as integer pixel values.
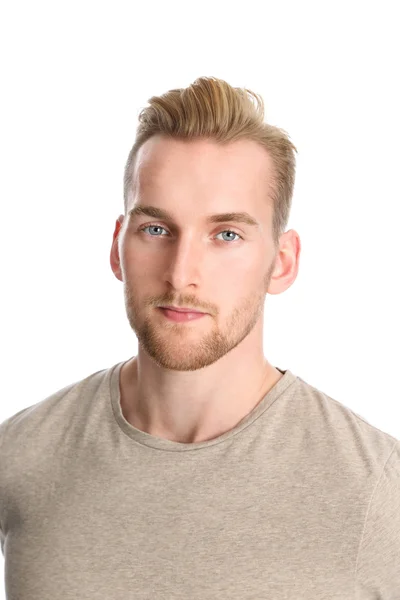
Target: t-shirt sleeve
(3, 426)
(2, 540)
(378, 562)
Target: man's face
(192, 263)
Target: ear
(287, 263)
(115, 261)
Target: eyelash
(158, 225)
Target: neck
(192, 407)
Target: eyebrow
(160, 213)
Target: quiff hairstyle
(211, 108)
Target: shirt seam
(367, 514)
(2, 442)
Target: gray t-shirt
(300, 500)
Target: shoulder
(345, 432)
(25, 429)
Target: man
(197, 469)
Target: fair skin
(193, 381)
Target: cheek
(135, 264)
(238, 272)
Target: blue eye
(155, 226)
(229, 231)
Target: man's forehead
(160, 151)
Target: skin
(194, 381)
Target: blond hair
(211, 108)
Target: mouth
(180, 316)
(183, 310)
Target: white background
(74, 76)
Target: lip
(184, 310)
(179, 316)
